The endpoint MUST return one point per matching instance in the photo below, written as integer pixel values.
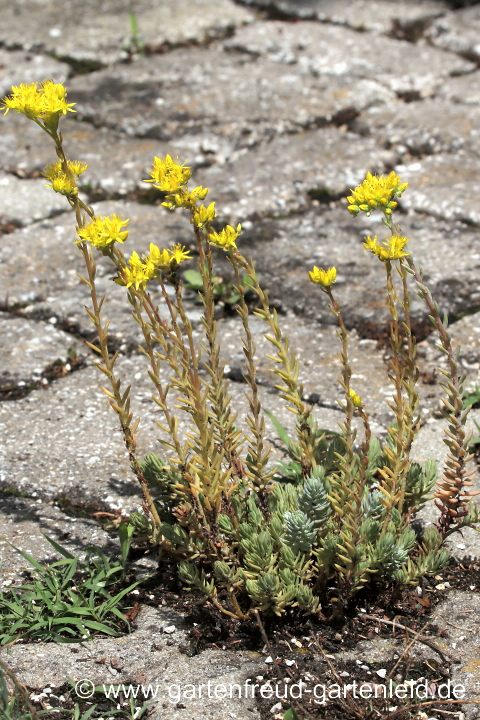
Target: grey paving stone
(458, 32)
(148, 655)
(465, 334)
(464, 90)
(341, 52)
(26, 521)
(93, 35)
(445, 186)
(64, 442)
(447, 251)
(32, 353)
(282, 176)
(20, 67)
(118, 165)
(401, 18)
(458, 617)
(39, 267)
(217, 94)
(52, 446)
(432, 126)
(25, 201)
(318, 351)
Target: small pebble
(169, 629)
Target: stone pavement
(280, 106)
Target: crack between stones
(411, 32)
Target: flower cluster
(140, 271)
(324, 278)
(203, 215)
(62, 182)
(168, 175)
(376, 192)
(391, 249)
(102, 232)
(226, 239)
(44, 101)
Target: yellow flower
(185, 198)
(391, 249)
(226, 238)
(104, 231)
(60, 181)
(376, 192)
(325, 278)
(168, 175)
(164, 260)
(203, 215)
(136, 273)
(179, 254)
(39, 101)
(355, 398)
(158, 259)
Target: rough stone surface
(39, 268)
(400, 18)
(338, 51)
(318, 351)
(458, 615)
(282, 177)
(438, 187)
(285, 249)
(29, 352)
(94, 35)
(26, 201)
(429, 127)
(458, 32)
(19, 67)
(117, 164)
(210, 93)
(87, 469)
(464, 89)
(148, 655)
(26, 521)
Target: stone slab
(52, 446)
(323, 49)
(147, 656)
(94, 35)
(464, 90)
(400, 18)
(458, 33)
(445, 186)
(32, 353)
(40, 265)
(26, 201)
(318, 351)
(431, 126)
(284, 250)
(117, 164)
(64, 443)
(458, 617)
(20, 67)
(219, 95)
(282, 177)
(26, 521)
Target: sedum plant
(253, 535)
